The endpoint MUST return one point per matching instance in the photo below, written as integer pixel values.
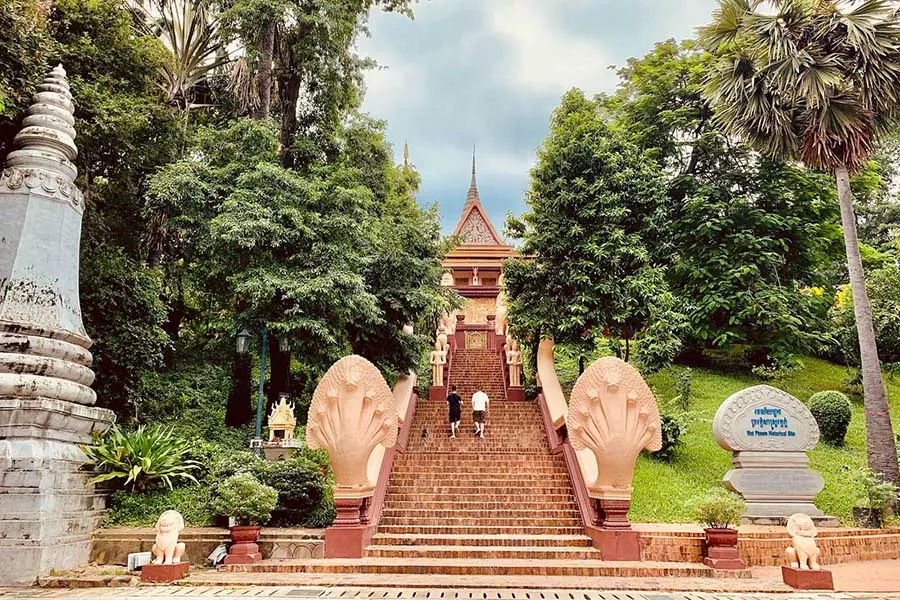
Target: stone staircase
(497, 506)
(502, 498)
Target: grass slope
(662, 491)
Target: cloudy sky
(490, 72)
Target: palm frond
(819, 80)
(726, 23)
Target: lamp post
(240, 410)
(260, 400)
(243, 341)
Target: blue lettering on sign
(769, 422)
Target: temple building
(474, 268)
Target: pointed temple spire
(472, 196)
(405, 154)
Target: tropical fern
(142, 458)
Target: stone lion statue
(804, 554)
(167, 549)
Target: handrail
(586, 505)
(554, 397)
(375, 505)
(451, 352)
(503, 373)
(560, 444)
(549, 430)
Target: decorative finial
(405, 154)
(48, 129)
(472, 196)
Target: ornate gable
(477, 230)
(474, 226)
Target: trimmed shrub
(832, 412)
(300, 484)
(229, 462)
(718, 509)
(243, 497)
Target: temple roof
(474, 226)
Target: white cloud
(506, 165)
(395, 85)
(547, 58)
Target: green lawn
(661, 491)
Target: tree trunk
(264, 72)
(289, 94)
(880, 446)
(239, 411)
(280, 374)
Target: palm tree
(189, 31)
(818, 81)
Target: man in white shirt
(479, 408)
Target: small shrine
(282, 423)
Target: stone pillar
(46, 405)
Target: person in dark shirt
(454, 403)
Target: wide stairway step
(503, 497)
(492, 540)
(482, 530)
(509, 566)
(481, 552)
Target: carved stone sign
(764, 418)
(769, 432)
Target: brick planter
(244, 549)
(721, 549)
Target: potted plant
(250, 503)
(720, 511)
(878, 499)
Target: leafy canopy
(594, 210)
(746, 238)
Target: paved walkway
(344, 593)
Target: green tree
(403, 253)
(594, 206)
(746, 237)
(306, 50)
(747, 250)
(816, 80)
(23, 54)
(125, 132)
(332, 261)
(190, 32)
(883, 287)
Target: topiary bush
(230, 462)
(832, 412)
(718, 509)
(243, 497)
(300, 484)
